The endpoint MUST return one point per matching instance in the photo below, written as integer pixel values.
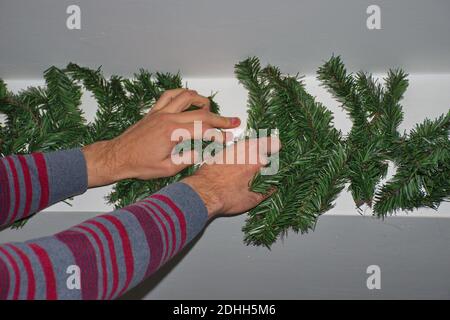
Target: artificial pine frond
(21, 123)
(93, 81)
(376, 114)
(106, 117)
(66, 122)
(168, 81)
(249, 74)
(342, 86)
(423, 174)
(391, 114)
(303, 188)
(371, 93)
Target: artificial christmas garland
(316, 161)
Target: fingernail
(235, 121)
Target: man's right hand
(224, 188)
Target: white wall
(206, 37)
(427, 96)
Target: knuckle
(209, 115)
(165, 94)
(206, 103)
(203, 114)
(222, 121)
(187, 94)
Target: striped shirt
(101, 258)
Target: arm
(112, 253)
(103, 257)
(30, 183)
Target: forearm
(114, 252)
(30, 183)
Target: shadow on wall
(143, 288)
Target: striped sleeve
(104, 257)
(30, 183)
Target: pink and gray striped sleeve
(100, 258)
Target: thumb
(217, 121)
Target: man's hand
(144, 150)
(224, 188)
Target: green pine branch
(376, 113)
(64, 120)
(342, 86)
(422, 178)
(306, 184)
(248, 73)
